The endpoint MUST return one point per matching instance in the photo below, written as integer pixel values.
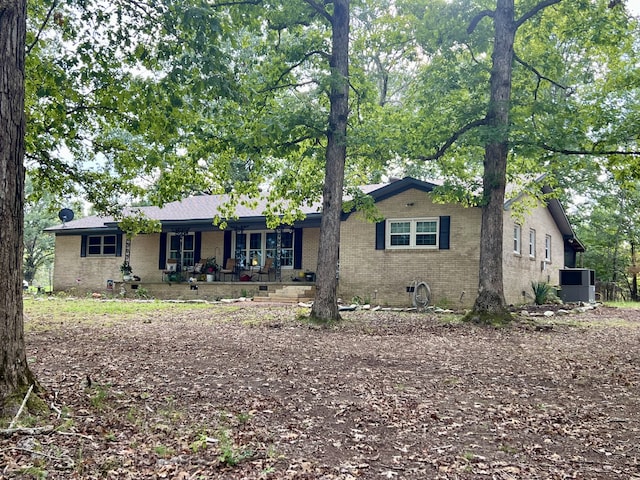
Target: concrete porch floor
(288, 292)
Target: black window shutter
(226, 251)
(445, 228)
(197, 247)
(162, 262)
(380, 234)
(297, 248)
(83, 246)
(118, 245)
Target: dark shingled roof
(203, 208)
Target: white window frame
(532, 243)
(102, 245)
(413, 233)
(517, 239)
(263, 252)
(547, 248)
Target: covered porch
(284, 292)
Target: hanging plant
(125, 268)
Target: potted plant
(210, 268)
(126, 270)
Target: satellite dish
(66, 215)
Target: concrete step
(289, 294)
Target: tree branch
(41, 29)
(239, 2)
(149, 11)
(299, 140)
(24, 402)
(474, 59)
(538, 74)
(567, 151)
(7, 432)
(476, 20)
(320, 9)
(287, 85)
(443, 149)
(296, 65)
(534, 11)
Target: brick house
(418, 240)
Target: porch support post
(279, 254)
(127, 249)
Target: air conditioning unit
(577, 285)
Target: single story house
(418, 240)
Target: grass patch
(90, 306)
(47, 312)
(489, 319)
(451, 319)
(163, 451)
(34, 472)
(258, 319)
(611, 322)
(635, 305)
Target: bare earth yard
(248, 391)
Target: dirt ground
(252, 392)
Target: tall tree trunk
(614, 260)
(325, 306)
(490, 300)
(634, 279)
(14, 372)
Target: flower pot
(210, 277)
(126, 278)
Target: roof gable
(396, 187)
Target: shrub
(541, 292)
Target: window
(241, 248)
(286, 245)
(532, 243)
(263, 245)
(516, 238)
(400, 235)
(101, 245)
(417, 233)
(547, 248)
(182, 246)
(255, 249)
(426, 233)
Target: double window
(101, 245)
(254, 247)
(414, 233)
